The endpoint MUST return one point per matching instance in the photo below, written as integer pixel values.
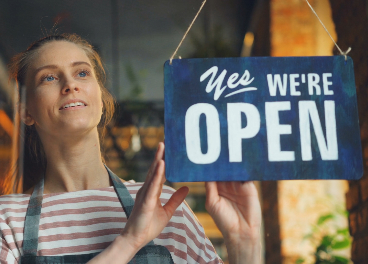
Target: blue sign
(261, 118)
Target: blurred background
(304, 221)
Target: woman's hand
(148, 217)
(236, 210)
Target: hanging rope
(344, 53)
(186, 33)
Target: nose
(69, 87)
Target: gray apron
(149, 254)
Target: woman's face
(63, 95)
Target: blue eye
(50, 78)
(82, 74)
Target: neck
(74, 164)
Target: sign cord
(190, 26)
(342, 52)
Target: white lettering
(294, 84)
(313, 80)
(276, 82)
(192, 133)
(212, 83)
(230, 82)
(327, 83)
(235, 131)
(329, 150)
(275, 129)
(244, 80)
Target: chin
(79, 126)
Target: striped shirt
(88, 221)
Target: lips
(74, 103)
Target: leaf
(340, 260)
(299, 261)
(327, 240)
(343, 231)
(324, 218)
(341, 244)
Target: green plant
(134, 78)
(214, 45)
(329, 238)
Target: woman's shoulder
(13, 198)
(13, 204)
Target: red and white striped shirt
(88, 221)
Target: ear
(26, 116)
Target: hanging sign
(261, 118)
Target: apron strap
(32, 221)
(121, 190)
(125, 198)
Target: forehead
(59, 53)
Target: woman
(83, 218)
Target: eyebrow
(77, 63)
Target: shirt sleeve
(200, 249)
(6, 255)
